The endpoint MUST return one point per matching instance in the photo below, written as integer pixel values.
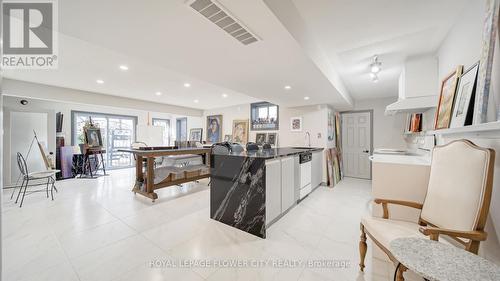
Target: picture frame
(227, 138)
(240, 131)
(446, 99)
(264, 116)
(464, 101)
(196, 134)
(271, 138)
(260, 138)
(93, 138)
(296, 124)
(214, 128)
(490, 35)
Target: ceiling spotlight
(99, 81)
(375, 78)
(224, 95)
(196, 101)
(375, 66)
(287, 87)
(123, 67)
(158, 93)
(306, 98)
(187, 85)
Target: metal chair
(48, 175)
(252, 146)
(266, 146)
(236, 148)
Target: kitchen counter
(274, 152)
(401, 159)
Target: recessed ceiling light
(196, 101)
(224, 95)
(187, 85)
(99, 81)
(306, 98)
(123, 67)
(287, 87)
(158, 93)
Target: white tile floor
(96, 229)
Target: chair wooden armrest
(434, 233)
(385, 202)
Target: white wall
(387, 130)
(462, 46)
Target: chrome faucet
(308, 138)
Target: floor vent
(220, 16)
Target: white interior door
(356, 144)
(22, 125)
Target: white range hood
(418, 86)
(415, 104)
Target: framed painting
(240, 131)
(93, 137)
(490, 30)
(446, 99)
(214, 128)
(296, 124)
(195, 134)
(271, 138)
(464, 100)
(260, 138)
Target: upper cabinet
(418, 86)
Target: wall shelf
(485, 129)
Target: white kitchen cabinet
(287, 183)
(316, 168)
(273, 189)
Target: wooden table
(149, 155)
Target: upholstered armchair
(456, 204)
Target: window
(165, 123)
(181, 129)
(117, 132)
(264, 116)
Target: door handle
(366, 151)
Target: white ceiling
(166, 43)
(350, 32)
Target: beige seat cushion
(386, 230)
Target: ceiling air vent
(218, 15)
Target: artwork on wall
(93, 137)
(482, 92)
(271, 138)
(195, 134)
(264, 116)
(260, 138)
(214, 128)
(464, 101)
(331, 125)
(296, 124)
(227, 138)
(240, 131)
(446, 99)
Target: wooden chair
(456, 204)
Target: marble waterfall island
(243, 187)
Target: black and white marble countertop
(437, 261)
(273, 152)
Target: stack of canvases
(334, 155)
